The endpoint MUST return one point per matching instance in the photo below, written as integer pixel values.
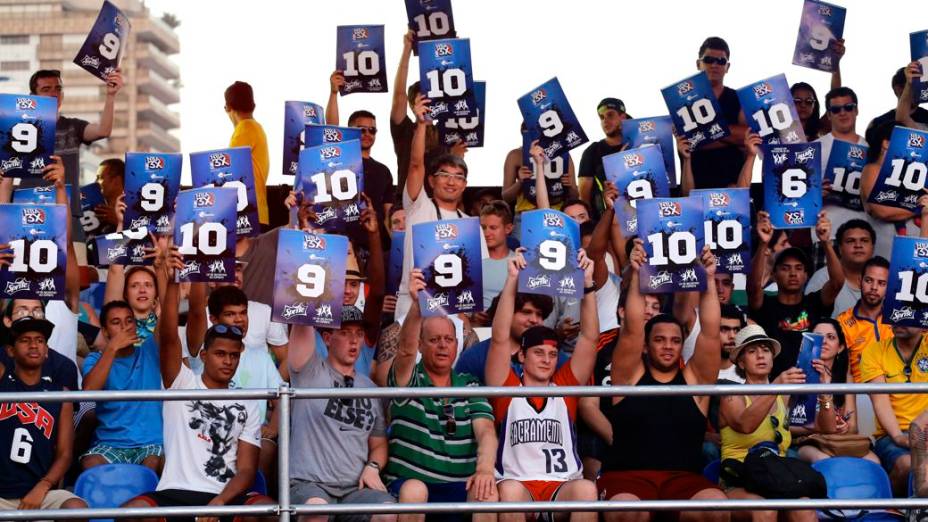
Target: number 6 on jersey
(449, 255)
(204, 232)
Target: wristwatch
(373, 464)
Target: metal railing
(284, 509)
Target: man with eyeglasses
(718, 164)
(71, 133)
(211, 446)
(240, 108)
(447, 179)
(339, 445)
(442, 449)
(842, 111)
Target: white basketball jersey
(538, 445)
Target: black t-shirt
(920, 115)
(402, 134)
(785, 323)
(378, 185)
(591, 166)
(69, 136)
(719, 167)
(58, 367)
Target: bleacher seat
(855, 478)
(712, 471)
(111, 485)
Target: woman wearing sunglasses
(746, 421)
(808, 108)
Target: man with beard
(855, 239)
(657, 441)
(592, 175)
(863, 324)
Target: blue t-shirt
(365, 356)
(474, 361)
(130, 424)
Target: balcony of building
(151, 108)
(149, 56)
(151, 83)
(150, 134)
(155, 31)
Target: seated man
(211, 446)
(657, 441)
(128, 432)
(538, 460)
(340, 445)
(442, 449)
(39, 436)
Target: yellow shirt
(859, 332)
(735, 445)
(882, 359)
(249, 133)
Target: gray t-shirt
(329, 437)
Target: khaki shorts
(53, 500)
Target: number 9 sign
(309, 281)
(101, 52)
(551, 240)
(449, 254)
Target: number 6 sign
(309, 282)
(448, 253)
(793, 184)
(103, 49)
(906, 301)
(551, 240)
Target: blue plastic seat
(111, 485)
(259, 485)
(712, 471)
(855, 478)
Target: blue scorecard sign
(448, 253)
(552, 241)
(793, 184)
(468, 129)
(230, 168)
(728, 227)
(332, 178)
(27, 134)
(637, 174)
(906, 302)
(695, 110)
(204, 232)
(36, 235)
(105, 45)
(323, 134)
(657, 130)
(297, 115)
(361, 58)
(152, 182)
(549, 119)
(821, 24)
(902, 175)
(770, 112)
(672, 230)
(843, 170)
(446, 78)
(309, 281)
(918, 41)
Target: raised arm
(584, 357)
(497, 366)
(627, 364)
(599, 243)
(704, 365)
(835, 272)
(687, 182)
(838, 47)
(416, 176)
(54, 173)
(569, 180)
(170, 353)
(752, 144)
(513, 174)
(302, 347)
(405, 360)
(376, 274)
(398, 109)
(755, 286)
(104, 128)
(336, 81)
(196, 317)
(541, 187)
(904, 105)
(96, 377)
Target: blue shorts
(888, 451)
(438, 492)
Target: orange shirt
(249, 133)
(860, 332)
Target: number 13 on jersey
(793, 184)
(449, 255)
(204, 232)
(309, 282)
(673, 233)
(906, 301)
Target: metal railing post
(283, 454)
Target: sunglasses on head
(848, 107)
(451, 424)
(804, 101)
(224, 329)
(777, 435)
(369, 130)
(712, 60)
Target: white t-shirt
(729, 374)
(261, 330)
(64, 335)
(201, 438)
(422, 210)
(845, 299)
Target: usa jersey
(27, 134)
(103, 49)
(28, 430)
(537, 438)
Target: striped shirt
(420, 445)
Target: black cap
(611, 103)
(795, 253)
(31, 324)
(351, 314)
(538, 335)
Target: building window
(21, 65)
(14, 39)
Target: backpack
(769, 475)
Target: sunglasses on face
(451, 424)
(369, 130)
(848, 107)
(712, 60)
(804, 101)
(448, 175)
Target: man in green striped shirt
(441, 449)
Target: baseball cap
(749, 335)
(795, 253)
(351, 314)
(538, 335)
(611, 103)
(31, 324)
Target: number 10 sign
(906, 301)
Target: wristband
(589, 290)
(373, 464)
